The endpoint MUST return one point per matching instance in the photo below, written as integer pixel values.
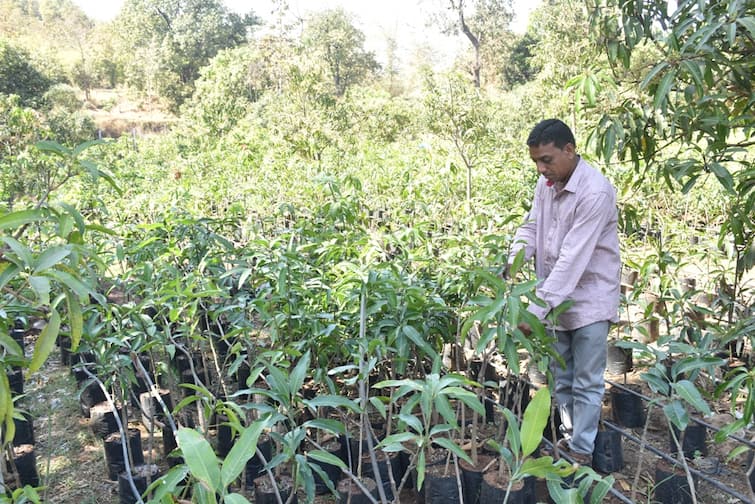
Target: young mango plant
(517, 459)
(677, 367)
(425, 400)
(211, 481)
(44, 268)
(499, 310)
(288, 431)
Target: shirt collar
(576, 177)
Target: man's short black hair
(551, 130)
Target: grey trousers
(580, 383)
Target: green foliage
(212, 479)
(486, 26)
(462, 115)
(700, 78)
(520, 67)
(425, 398)
(563, 44)
(523, 440)
(18, 76)
(225, 90)
(331, 36)
(62, 96)
(168, 42)
(43, 273)
(690, 118)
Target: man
(571, 232)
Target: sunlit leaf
(200, 457)
(242, 451)
(45, 342)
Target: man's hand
(525, 328)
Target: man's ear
(570, 150)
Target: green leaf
(739, 450)
(538, 467)
(23, 253)
(200, 493)
(411, 333)
(326, 425)
(651, 75)
(8, 272)
(453, 448)
(327, 458)
(443, 406)
(76, 216)
(51, 257)
(10, 345)
(17, 219)
(656, 383)
(420, 469)
(748, 23)
(304, 472)
(723, 176)
(41, 287)
(53, 147)
(663, 89)
(379, 406)
(411, 421)
(687, 391)
(75, 320)
(694, 363)
(332, 401)
(534, 421)
(562, 495)
(95, 172)
(77, 150)
(601, 489)
(467, 397)
(299, 374)
(676, 413)
(235, 498)
(45, 342)
(101, 229)
(200, 458)
(243, 449)
(6, 406)
(167, 485)
(398, 439)
(76, 285)
(513, 435)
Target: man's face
(553, 163)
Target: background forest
(184, 168)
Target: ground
(115, 113)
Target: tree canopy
(165, 43)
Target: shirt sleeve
(576, 251)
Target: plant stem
(636, 481)
(363, 376)
(683, 459)
(124, 436)
(352, 476)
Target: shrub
(18, 76)
(62, 97)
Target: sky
(403, 20)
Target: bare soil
(116, 113)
